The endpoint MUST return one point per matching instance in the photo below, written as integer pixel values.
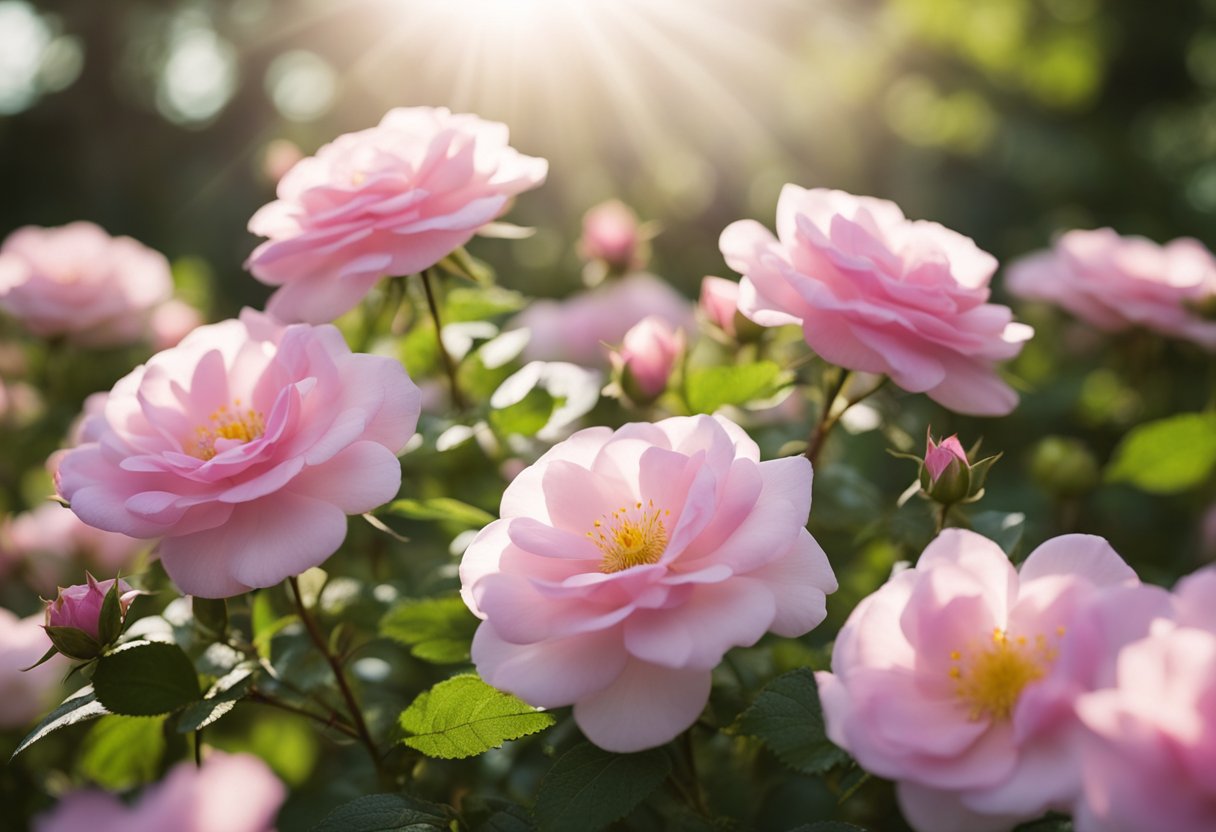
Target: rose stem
(352, 704)
(448, 364)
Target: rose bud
(87, 617)
(947, 476)
(719, 304)
(613, 235)
(646, 358)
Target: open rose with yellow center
(627, 562)
(244, 448)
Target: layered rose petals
(626, 563)
(1116, 283)
(878, 293)
(244, 447)
(80, 283)
(936, 679)
(391, 200)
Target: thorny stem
(448, 364)
(332, 721)
(352, 704)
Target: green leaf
(145, 678)
(527, 416)
(829, 826)
(441, 508)
(589, 788)
(463, 264)
(466, 303)
(463, 716)
(1167, 456)
(79, 707)
(1006, 528)
(788, 718)
(438, 630)
(709, 388)
(121, 752)
(511, 819)
(211, 614)
(385, 813)
(220, 698)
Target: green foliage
(527, 416)
(211, 614)
(145, 678)
(829, 826)
(74, 643)
(109, 621)
(788, 719)
(385, 813)
(1006, 528)
(589, 788)
(463, 717)
(121, 752)
(81, 706)
(1167, 456)
(709, 388)
(446, 509)
(220, 699)
(437, 630)
(465, 303)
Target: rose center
(990, 679)
(631, 536)
(242, 425)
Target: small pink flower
(79, 606)
(1150, 748)
(876, 292)
(24, 696)
(50, 532)
(229, 793)
(933, 678)
(244, 447)
(720, 302)
(939, 455)
(576, 329)
(172, 321)
(612, 233)
(79, 282)
(647, 357)
(390, 200)
(1116, 283)
(627, 562)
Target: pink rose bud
(647, 357)
(611, 233)
(80, 608)
(938, 456)
(720, 302)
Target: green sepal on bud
(947, 475)
(73, 643)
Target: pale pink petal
(644, 706)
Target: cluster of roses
(626, 563)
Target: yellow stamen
(990, 679)
(631, 537)
(243, 426)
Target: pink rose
(627, 562)
(172, 321)
(933, 675)
(576, 329)
(391, 200)
(79, 282)
(79, 606)
(876, 292)
(1150, 749)
(24, 696)
(1116, 283)
(939, 455)
(244, 447)
(612, 233)
(647, 356)
(229, 793)
(720, 302)
(50, 532)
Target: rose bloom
(626, 563)
(1116, 283)
(79, 282)
(244, 447)
(876, 292)
(1150, 750)
(933, 678)
(576, 329)
(26, 694)
(391, 200)
(172, 321)
(229, 793)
